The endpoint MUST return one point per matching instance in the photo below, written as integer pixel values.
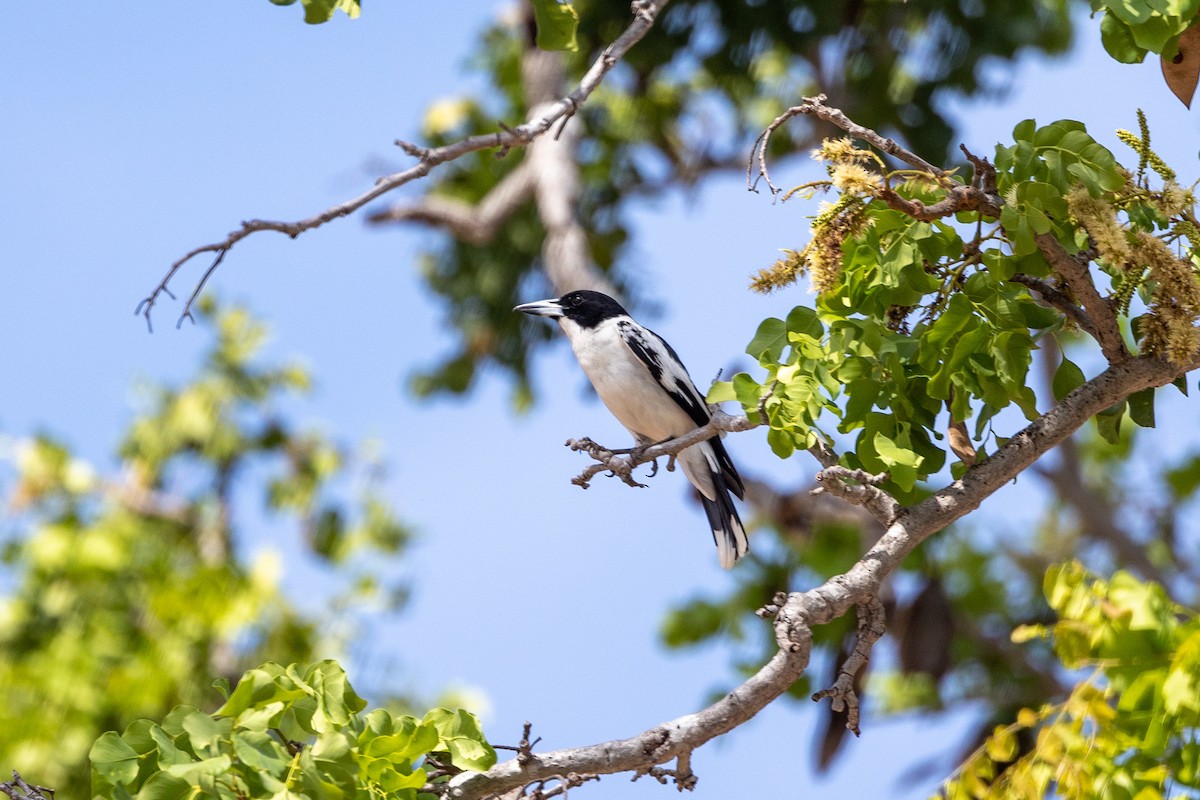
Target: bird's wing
(664, 364)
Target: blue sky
(133, 132)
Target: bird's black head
(585, 308)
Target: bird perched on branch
(647, 388)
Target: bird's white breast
(625, 384)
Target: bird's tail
(728, 533)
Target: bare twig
(565, 784)
(772, 608)
(1057, 298)
(685, 779)
(1074, 272)
(871, 625)
(524, 748)
(815, 106)
(645, 12)
(474, 223)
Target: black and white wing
(667, 369)
(707, 465)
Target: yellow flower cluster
(1140, 257)
(1170, 329)
(1099, 219)
(1148, 156)
(850, 172)
(822, 256)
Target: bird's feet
(638, 455)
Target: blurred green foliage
(1128, 729)
(1129, 30)
(127, 591)
(318, 11)
(287, 732)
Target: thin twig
(1074, 272)
(622, 466)
(645, 12)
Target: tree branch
(18, 789)
(1074, 272)
(1059, 299)
(473, 223)
(645, 12)
(815, 106)
(797, 613)
(622, 464)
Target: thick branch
(1057, 298)
(645, 12)
(795, 617)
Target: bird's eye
(574, 301)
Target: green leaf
(261, 751)
(721, 392)
(1108, 423)
(556, 25)
(336, 699)
(803, 319)
(202, 729)
(781, 443)
(902, 463)
(1067, 378)
(460, 734)
(413, 740)
(190, 771)
(113, 759)
(1118, 40)
(769, 341)
(1141, 407)
(165, 786)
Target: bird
(641, 380)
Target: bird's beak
(542, 308)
